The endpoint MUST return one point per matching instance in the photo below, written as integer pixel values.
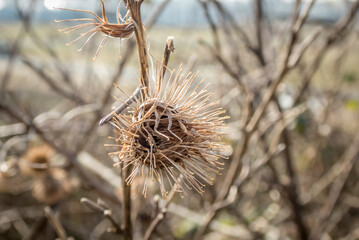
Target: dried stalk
(168, 49)
(126, 205)
(56, 224)
(134, 8)
(162, 213)
(102, 208)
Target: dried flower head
(124, 28)
(37, 159)
(52, 187)
(171, 133)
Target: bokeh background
(292, 176)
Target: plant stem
(127, 224)
(134, 8)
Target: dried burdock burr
(124, 28)
(171, 132)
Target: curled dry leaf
(124, 28)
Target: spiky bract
(124, 28)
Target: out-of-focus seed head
(37, 159)
(174, 131)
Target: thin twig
(17, 45)
(51, 82)
(134, 8)
(296, 27)
(126, 204)
(226, 14)
(349, 157)
(121, 108)
(212, 25)
(292, 189)
(258, 23)
(169, 48)
(336, 33)
(55, 222)
(162, 213)
(105, 211)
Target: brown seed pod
(172, 132)
(114, 30)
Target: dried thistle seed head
(37, 159)
(172, 133)
(52, 187)
(124, 28)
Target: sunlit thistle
(171, 132)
